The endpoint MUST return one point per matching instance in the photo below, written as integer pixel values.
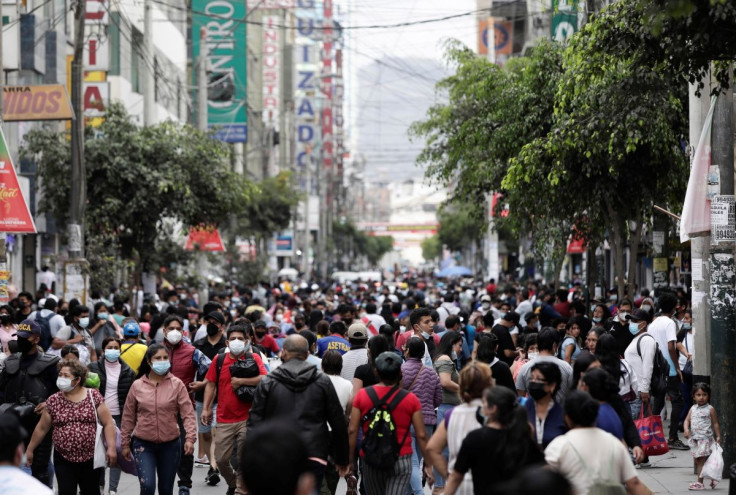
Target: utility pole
(699, 256)
(202, 93)
(79, 175)
(307, 266)
(149, 97)
(723, 276)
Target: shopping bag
(100, 458)
(713, 467)
(127, 466)
(651, 433)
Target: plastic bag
(713, 467)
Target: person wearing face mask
(601, 315)
(529, 351)
(264, 340)
(212, 345)
(7, 327)
(103, 325)
(186, 362)
(642, 360)
(207, 312)
(116, 378)
(28, 379)
(232, 413)
(686, 348)
(546, 344)
(158, 407)
(619, 326)
(74, 413)
(25, 306)
(77, 334)
(544, 413)
(12, 458)
(49, 321)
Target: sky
(394, 71)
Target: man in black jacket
(297, 392)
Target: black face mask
(21, 305)
(212, 329)
(5, 319)
(24, 345)
(260, 335)
(299, 325)
(536, 390)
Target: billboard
(564, 19)
(14, 213)
(46, 102)
(218, 33)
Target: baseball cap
(260, 324)
(638, 315)
(217, 316)
(485, 298)
(28, 327)
(131, 329)
(512, 316)
(358, 331)
(388, 362)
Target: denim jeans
(156, 458)
(635, 406)
(415, 482)
(439, 481)
(114, 471)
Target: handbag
(651, 433)
(688, 368)
(245, 368)
(100, 458)
(125, 465)
(713, 467)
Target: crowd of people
(394, 387)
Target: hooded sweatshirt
(296, 392)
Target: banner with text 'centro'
(14, 213)
(218, 31)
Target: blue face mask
(161, 367)
(686, 326)
(425, 335)
(633, 328)
(596, 319)
(112, 355)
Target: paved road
(670, 473)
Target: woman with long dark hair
(495, 453)
(365, 374)
(486, 352)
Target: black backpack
(242, 368)
(45, 323)
(660, 370)
(380, 446)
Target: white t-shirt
(644, 364)
(14, 481)
(664, 330)
(582, 453)
(56, 322)
(343, 388)
(689, 347)
(523, 308)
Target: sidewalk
(672, 473)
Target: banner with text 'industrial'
(219, 33)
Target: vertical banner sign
(271, 69)
(326, 79)
(564, 19)
(338, 118)
(14, 213)
(218, 33)
(305, 83)
(503, 36)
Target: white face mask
(622, 316)
(532, 355)
(237, 347)
(646, 307)
(174, 337)
(84, 322)
(64, 384)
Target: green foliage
(140, 182)
(271, 206)
(350, 243)
(461, 224)
(431, 248)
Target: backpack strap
(638, 344)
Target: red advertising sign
(14, 213)
(204, 238)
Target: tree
(431, 248)
(459, 227)
(349, 244)
(138, 178)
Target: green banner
(564, 19)
(218, 33)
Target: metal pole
(79, 179)
(149, 97)
(723, 280)
(307, 266)
(3, 255)
(202, 93)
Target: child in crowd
(700, 424)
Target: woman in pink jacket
(150, 428)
